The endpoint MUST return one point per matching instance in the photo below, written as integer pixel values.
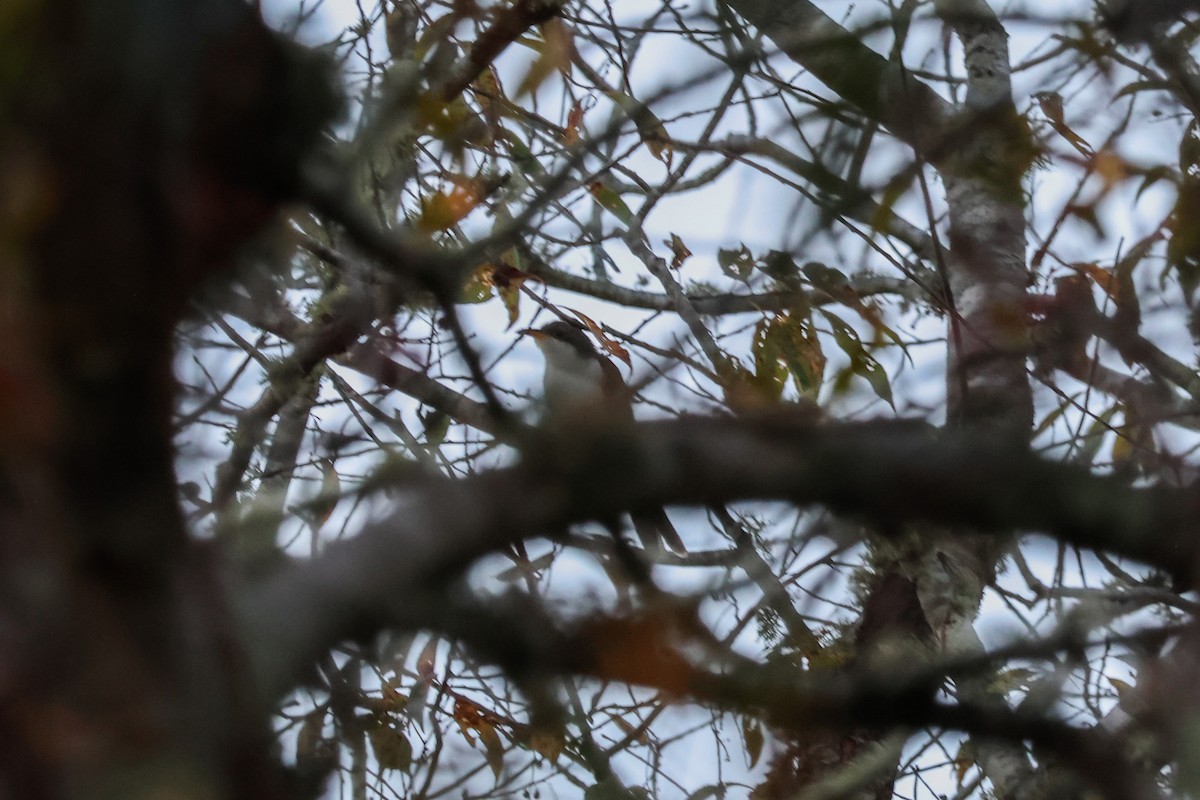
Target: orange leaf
(574, 123)
(641, 650)
(444, 210)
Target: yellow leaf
(1110, 167)
(547, 743)
(555, 50)
(508, 283)
(478, 286)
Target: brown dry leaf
(508, 281)
(1121, 686)
(427, 660)
(636, 732)
(310, 737)
(963, 761)
(392, 748)
(469, 717)
(752, 735)
(555, 50)
(679, 250)
(1111, 169)
(1103, 278)
(489, 93)
(493, 747)
(611, 346)
(1051, 104)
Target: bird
(581, 382)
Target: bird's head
(561, 339)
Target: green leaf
(1054, 415)
(876, 375)
(862, 363)
(1096, 433)
(437, 424)
(770, 375)
(478, 286)
(780, 266)
(610, 201)
(792, 341)
(737, 264)
(650, 128)
(827, 279)
(522, 156)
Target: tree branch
(895, 471)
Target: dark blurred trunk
(141, 142)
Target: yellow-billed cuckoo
(580, 383)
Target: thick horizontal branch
(889, 473)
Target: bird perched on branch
(581, 383)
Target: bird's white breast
(572, 382)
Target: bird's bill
(534, 333)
